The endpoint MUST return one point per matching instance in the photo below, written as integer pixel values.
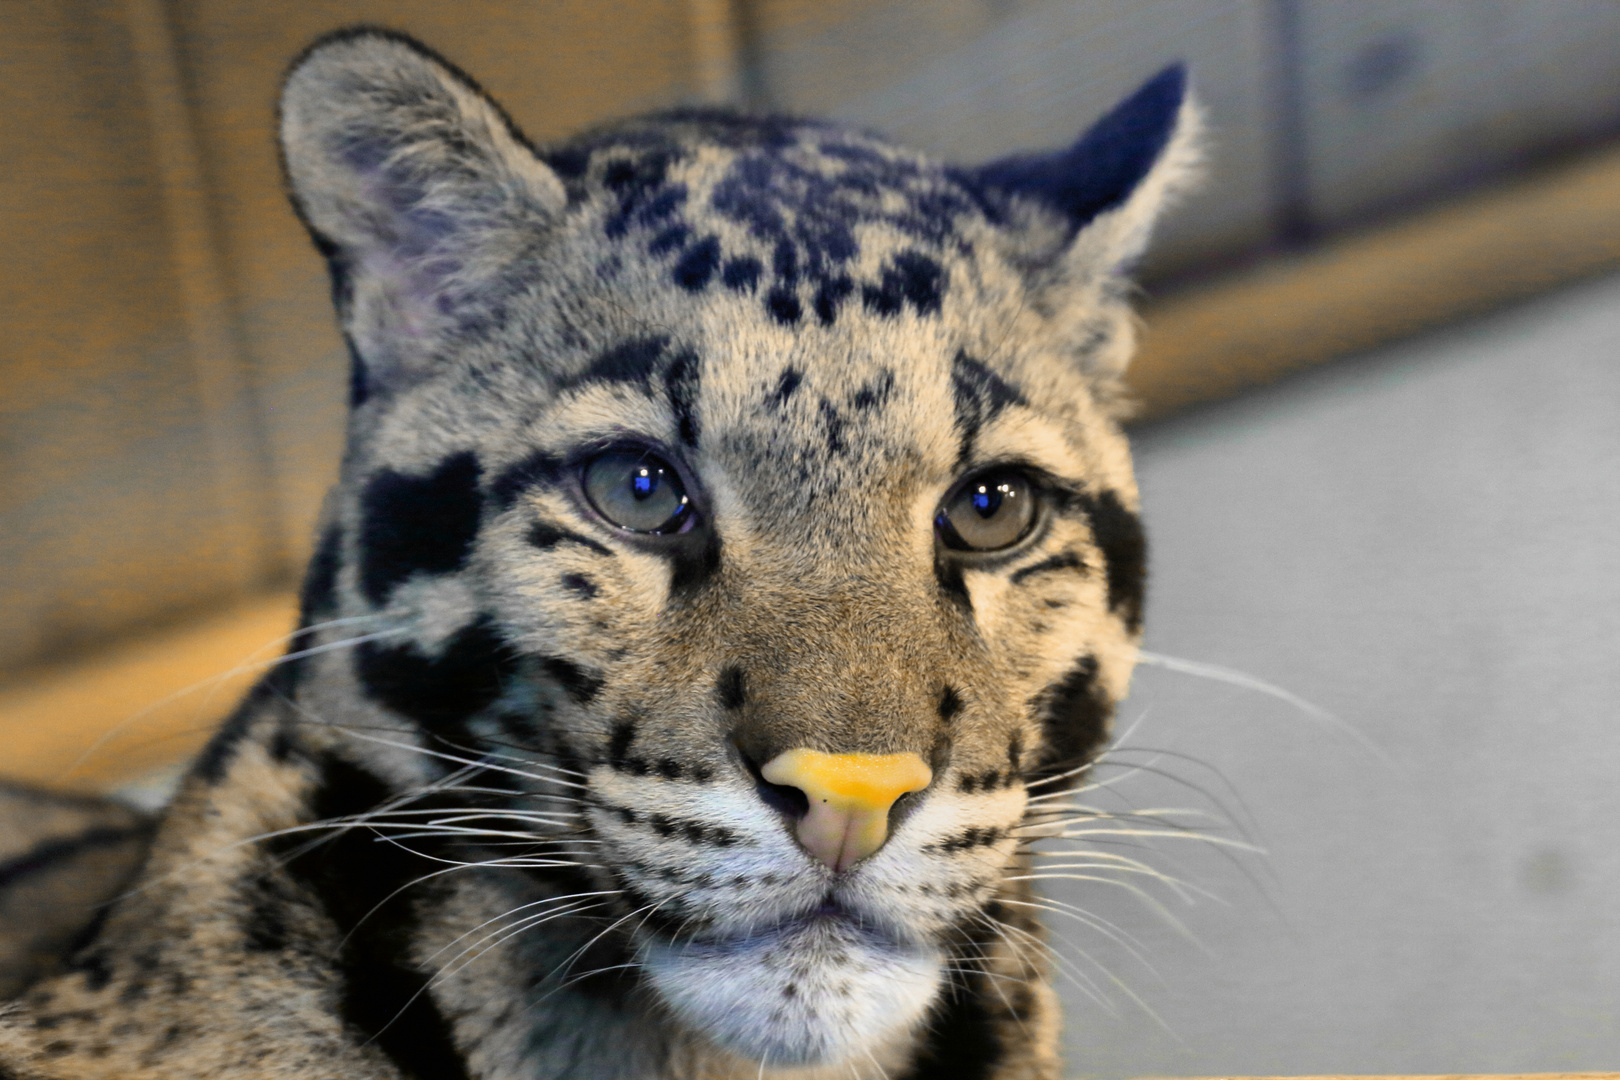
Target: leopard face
(736, 506)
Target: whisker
(1242, 679)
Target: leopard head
(742, 503)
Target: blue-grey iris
(989, 511)
(636, 490)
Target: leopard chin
(811, 991)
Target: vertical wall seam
(715, 60)
(1290, 159)
(752, 83)
(725, 62)
(244, 489)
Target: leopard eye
(990, 511)
(636, 490)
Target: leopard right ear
(413, 183)
(1095, 205)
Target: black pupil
(987, 499)
(644, 482)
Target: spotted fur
(499, 813)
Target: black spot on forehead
(670, 239)
(909, 278)
(439, 692)
(412, 524)
(785, 386)
(742, 274)
(874, 394)
(639, 183)
(830, 295)
(698, 264)
(783, 304)
(834, 423)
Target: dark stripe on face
(949, 576)
(216, 757)
(673, 828)
(441, 693)
(52, 855)
(577, 682)
(681, 383)
(979, 395)
(732, 687)
(961, 1042)
(1074, 716)
(538, 468)
(320, 580)
(632, 361)
(581, 586)
(624, 733)
(1063, 560)
(973, 837)
(543, 534)
(366, 889)
(950, 703)
(416, 524)
(694, 561)
(1119, 534)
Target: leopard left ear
(416, 187)
(1089, 210)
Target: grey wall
(1425, 541)
(1323, 113)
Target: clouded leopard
(734, 556)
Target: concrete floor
(1424, 541)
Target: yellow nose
(850, 796)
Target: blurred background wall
(1420, 539)
(171, 407)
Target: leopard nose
(849, 795)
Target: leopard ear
(414, 184)
(1090, 209)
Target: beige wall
(170, 377)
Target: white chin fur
(810, 994)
